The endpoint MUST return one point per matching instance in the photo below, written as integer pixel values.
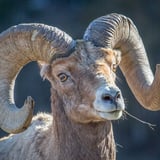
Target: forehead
(85, 56)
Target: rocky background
(134, 139)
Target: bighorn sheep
(84, 95)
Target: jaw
(109, 110)
(83, 115)
(97, 111)
(109, 113)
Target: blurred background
(134, 140)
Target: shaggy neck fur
(93, 141)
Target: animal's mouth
(110, 112)
(110, 115)
(115, 111)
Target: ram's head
(82, 73)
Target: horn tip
(29, 102)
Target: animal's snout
(114, 96)
(109, 102)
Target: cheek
(83, 114)
(71, 97)
(79, 105)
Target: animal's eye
(63, 77)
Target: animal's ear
(112, 54)
(44, 69)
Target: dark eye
(63, 77)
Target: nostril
(107, 97)
(118, 95)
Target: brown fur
(91, 141)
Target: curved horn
(18, 46)
(118, 32)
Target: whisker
(126, 101)
(124, 116)
(119, 145)
(118, 79)
(144, 122)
